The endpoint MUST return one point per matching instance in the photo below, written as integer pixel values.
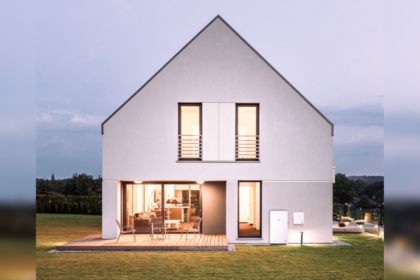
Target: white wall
(314, 199)
(111, 208)
(211, 125)
(140, 140)
(227, 131)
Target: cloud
(87, 119)
(44, 117)
(364, 115)
(361, 158)
(356, 134)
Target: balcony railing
(247, 147)
(190, 147)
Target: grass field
(373, 231)
(364, 260)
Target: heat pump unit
(279, 227)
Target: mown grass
(364, 260)
(373, 231)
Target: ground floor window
(177, 204)
(249, 209)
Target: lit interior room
(249, 209)
(142, 201)
(247, 132)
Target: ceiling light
(200, 182)
(138, 182)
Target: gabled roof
(234, 31)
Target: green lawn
(373, 231)
(364, 260)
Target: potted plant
(360, 223)
(346, 220)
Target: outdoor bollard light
(301, 238)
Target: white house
(218, 133)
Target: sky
(91, 56)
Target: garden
(363, 260)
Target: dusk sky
(91, 56)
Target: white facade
(219, 70)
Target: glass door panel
(249, 223)
(182, 205)
(247, 138)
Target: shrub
(47, 207)
(65, 208)
(348, 211)
(52, 209)
(58, 208)
(360, 222)
(341, 224)
(93, 209)
(84, 209)
(346, 219)
(75, 208)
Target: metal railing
(247, 147)
(190, 146)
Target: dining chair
(122, 231)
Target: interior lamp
(200, 182)
(172, 201)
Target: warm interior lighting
(247, 131)
(190, 131)
(138, 182)
(200, 182)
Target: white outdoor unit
(298, 218)
(279, 229)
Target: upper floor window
(189, 131)
(247, 132)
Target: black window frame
(162, 186)
(261, 192)
(258, 128)
(200, 105)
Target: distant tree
(379, 196)
(359, 187)
(343, 189)
(364, 200)
(81, 185)
(373, 188)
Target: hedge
(86, 205)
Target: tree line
(346, 190)
(77, 185)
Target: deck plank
(143, 242)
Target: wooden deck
(94, 242)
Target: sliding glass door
(182, 205)
(177, 204)
(249, 209)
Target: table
(173, 224)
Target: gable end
(258, 54)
